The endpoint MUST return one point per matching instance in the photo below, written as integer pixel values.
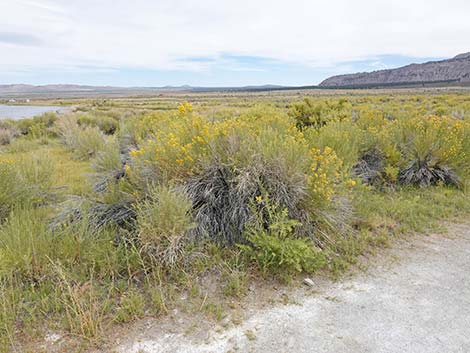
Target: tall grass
(24, 180)
(25, 245)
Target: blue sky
(221, 43)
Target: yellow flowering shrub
(375, 128)
(434, 139)
(261, 147)
(325, 179)
(146, 126)
(176, 147)
(317, 113)
(185, 108)
(265, 139)
(173, 152)
(334, 135)
(419, 141)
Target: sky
(221, 42)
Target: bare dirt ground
(416, 298)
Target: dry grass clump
(221, 198)
(6, 136)
(111, 206)
(96, 214)
(371, 167)
(420, 173)
(8, 131)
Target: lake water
(17, 112)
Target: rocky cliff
(455, 70)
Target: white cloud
(159, 34)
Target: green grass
(131, 307)
(411, 209)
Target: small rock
(52, 337)
(309, 282)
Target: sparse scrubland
(108, 214)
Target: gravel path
(415, 300)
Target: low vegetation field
(122, 207)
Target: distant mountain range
(65, 91)
(444, 72)
(450, 72)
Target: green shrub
(106, 124)
(163, 221)
(84, 142)
(67, 128)
(108, 159)
(82, 249)
(89, 142)
(438, 139)
(108, 166)
(22, 145)
(39, 126)
(47, 119)
(316, 113)
(29, 248)
(420, 150)
(275, 249)
(24, 125)
(344, 137)
(8, 132)
(224, 165)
